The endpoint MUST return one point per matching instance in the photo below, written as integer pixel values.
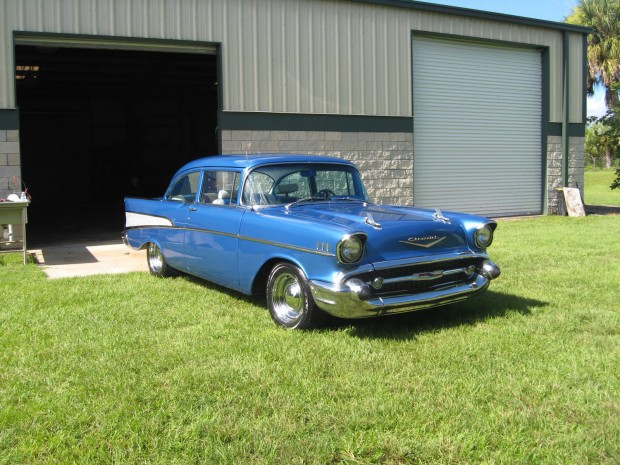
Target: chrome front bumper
(352, 299)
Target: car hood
(393, 232)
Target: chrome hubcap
(156, 260)
(287, 295)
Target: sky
(550, 10)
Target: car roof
(254, 160)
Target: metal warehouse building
(438, 106)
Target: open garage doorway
(97, 125)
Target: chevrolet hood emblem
(424, 241)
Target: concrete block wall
(576, 162)
(576, 168)
(385, 159)
(10, 161)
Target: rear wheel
(289, 300)
(157, 263)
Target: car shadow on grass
(215, 287)
(408, 325)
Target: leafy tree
(603, 16)
(612, 120)
(616, 183)
(601, 142)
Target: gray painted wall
(292, 56)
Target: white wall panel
(299, 56)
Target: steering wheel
(327, 193)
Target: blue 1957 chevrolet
(302, 230)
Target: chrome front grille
(423, 277)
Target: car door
(176, 206)
(211, 236)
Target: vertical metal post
(565, 108)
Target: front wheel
(157, 263)
(289, 300)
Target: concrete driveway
(89, 258)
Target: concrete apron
(87, 259)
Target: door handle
(193, 209)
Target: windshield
(285, 184)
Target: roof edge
(480, 14)
(251, 160)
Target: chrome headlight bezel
(483, 236)
(350, 248)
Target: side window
(258, 189)
(184, 189)
(220, 188)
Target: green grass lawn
(131, 369)
(596, 188)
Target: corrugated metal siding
(576, 71)
(299, 56)
(477, 144)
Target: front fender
(254, 256)
(308, 246)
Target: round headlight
(350, 249)
(483, 236)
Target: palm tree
(603, 16)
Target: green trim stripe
(573, 129)
(468, 12)
(259, 121)
(9, 118)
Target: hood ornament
(369, 220)
(438, 216)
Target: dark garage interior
(97, 125)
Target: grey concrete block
(260, 135)
(241, 135)
(9, 147)
(333, 135)
(12, 135)
(12, 159)
(279, 135)
(298, 135)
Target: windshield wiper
(351, 198)
(323, 199)
(307, 199)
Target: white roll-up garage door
(477, 127)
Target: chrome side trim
(242, 238)
(286, 246)
(131, 228)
